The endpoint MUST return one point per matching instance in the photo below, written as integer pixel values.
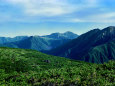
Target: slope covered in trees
(80, 47)
(104, 53)
(19, 67)
(9, 39)
(36, 43)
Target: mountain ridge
(77, 48)
(9, 39)
(41, 43)
(66, 35)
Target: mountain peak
(68, 32)
(110, 28)
(66, 35)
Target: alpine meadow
(57, 43)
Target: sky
(41, 17)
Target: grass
(20, 67)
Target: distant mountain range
(39, 43)
(8, 39)
(95, 46)
(66, 35)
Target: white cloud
(92, 1)
(101, 17)
(60, 11)
(106, 15)
(52, 7)
(44, 7)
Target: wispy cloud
(102, 17)
(52, 7)
(43, 7)
(59, 10)
(20, 17)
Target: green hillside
(19, 67)
(104, 53)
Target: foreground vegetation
(19, 67)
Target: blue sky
(40, 17)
